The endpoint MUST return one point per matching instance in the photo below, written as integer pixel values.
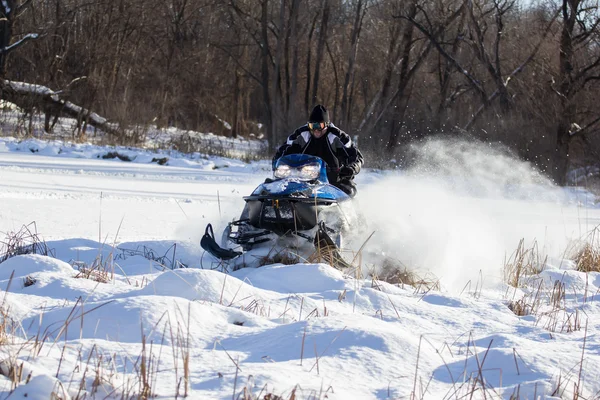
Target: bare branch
(514, 72)
(236, 60)
(19, 43)
(19, 10)
(581, 79)
(584, 129)
(476, 85)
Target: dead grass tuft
(329, 255)
(528, 303)
(586, 252)
(398, 276)
(94, 275)
(13, 370)
(281, 256)
(164, 261)
(99, 271)
(520, 307)
(522, 263)
(396, 273)
(6, 325)
(25, 241)
(587, 258)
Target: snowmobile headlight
(283, 171)
(310, 171)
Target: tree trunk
(320, 50)
(308, 65)
(445, 70)
(351, 61)
(267, 111)
(292, 102)
(565, 80)
(332, 114)
(390, 64)
(561, 158)
(235, 125)
(399, 110)
(278, 99)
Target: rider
(319, 137)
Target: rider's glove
(346, 172)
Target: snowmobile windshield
(302, 167)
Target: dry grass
(529, 303)
(20, 351)
(587, 259)
(167, 260)
(100, 270)
(25, 241)
(7, 325)
(547, 301)
(249, 391)
(332, 256)
(586, 253)
(524, 262)
(391, 270)
(521, 307)
(13, 370)
(279, 256)
(397, 273)
(472, 383)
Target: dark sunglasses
(316, 126)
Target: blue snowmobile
(298, 201)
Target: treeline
(521, 73)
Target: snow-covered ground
(304, 330)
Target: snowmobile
(297, 202)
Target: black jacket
(335, 148)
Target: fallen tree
(30, 97)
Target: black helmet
(319, 114)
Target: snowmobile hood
(294, 187)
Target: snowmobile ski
(209, 244)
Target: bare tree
(579, 66)
(491, 63)
(292, 66)
(445, 72)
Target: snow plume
(482, 170)
(462, 208)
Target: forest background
(519, 74)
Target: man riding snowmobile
(321, 138)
